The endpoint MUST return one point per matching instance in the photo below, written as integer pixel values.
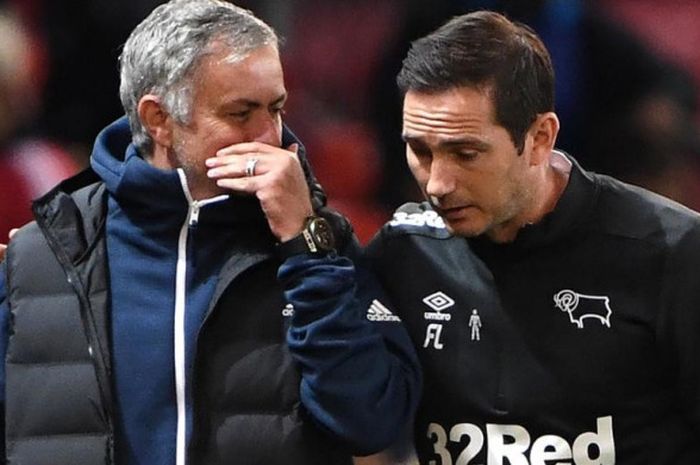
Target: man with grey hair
(188, 298)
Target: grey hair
(162, 52)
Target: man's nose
(267, 129)
(441, 180)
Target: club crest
(582, 307)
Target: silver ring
(250, 166)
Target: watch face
(322, 233)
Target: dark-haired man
(583, 290)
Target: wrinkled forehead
(448, 112)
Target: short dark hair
(486, 50)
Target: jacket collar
(573, 207)
(159, 193)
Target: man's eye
(240, 114)
(278, 111)
(468, 155)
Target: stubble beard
(198, 183)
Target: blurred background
(627, 78)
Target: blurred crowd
(627, 78)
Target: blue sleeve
(360, 374)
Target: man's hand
(278, 182)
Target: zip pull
(194, 213)
(195, 205)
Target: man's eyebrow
(466, 142)
(450, 143)
(254, 103)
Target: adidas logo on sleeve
(378, 312)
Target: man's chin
(463, 228)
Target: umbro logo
(438, 301)
(378, 312)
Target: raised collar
(572, 208)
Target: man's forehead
(459, 97)
(233, 50)
(257, 76)
(222, 51)
(453, 110)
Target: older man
(182, 301)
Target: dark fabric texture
(588, 330)
(56, 411)
(246, 387)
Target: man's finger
(244, 148)
(237, 167)
(255, 149)
(244, 184)
(240, 160)
(12, 232)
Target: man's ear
(543, 132)
(156, 120)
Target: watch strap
(300, 244)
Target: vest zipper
(102, 373)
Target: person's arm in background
(361, 378)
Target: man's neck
(548, 188)
(558, 173)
